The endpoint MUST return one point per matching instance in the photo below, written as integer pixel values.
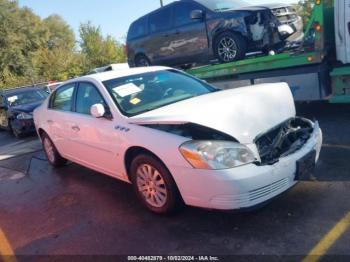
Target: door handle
(76, 128)
(177, 32)
(50, 122)
(349, 28)
(166, 35)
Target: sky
(113, 16)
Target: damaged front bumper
(246, 186)
(284, 139)
(24, 126)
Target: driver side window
(87, 96)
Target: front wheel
(154, 185)
(230, 47)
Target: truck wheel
(230, 47)
(153, 184)
(142, 61)
(53, 156)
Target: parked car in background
(16, 109)
(110, 67)
(176, 138)
(198, 31)
(51, 86)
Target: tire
(142, 61)
(186, 67)
(154, 185)
(229, 47)
(53, 156)
(14, 131)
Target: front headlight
(216, 154)
(24, 116)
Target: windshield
(219, 5)
(140, 93)
(26, 97)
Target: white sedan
(177, 139)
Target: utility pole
(161, 2)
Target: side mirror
(197, 15)
(97, 110)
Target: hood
(27, 108)
(242, 113)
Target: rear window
(161, 20)
(138, 28)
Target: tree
(58, 59)
(98, 50)
(305, 9)
(57, 63)
(59, 33)
(34, 49)
(21, 35)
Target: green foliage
(99, 50)
(305, 9)
(21, 35)
(59, 33)
(35, 50)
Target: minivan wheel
(53, 156)
(153, 184)
(186, 66)
(230, 47)
(142, 61)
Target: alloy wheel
(227, 49)
(151, 185)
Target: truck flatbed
(258, 64)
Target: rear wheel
(142, 61)
(53, 156)
(154, 185)
(230, 47)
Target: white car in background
(176, 138)
(111, 67)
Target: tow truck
(318, 69)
